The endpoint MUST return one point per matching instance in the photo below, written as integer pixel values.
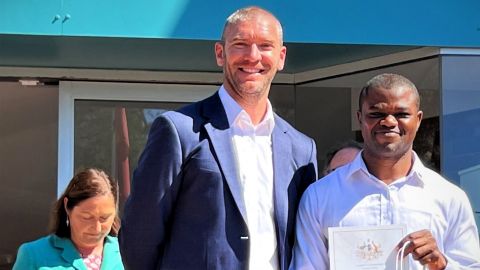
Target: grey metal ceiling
(162, 54)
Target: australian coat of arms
(369, 250)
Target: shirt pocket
(415, 219)
(363, 212)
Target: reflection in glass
(111, 135)
(461, 124)
(329, 106)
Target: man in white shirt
(219, 181)
(387, 184)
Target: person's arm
(24, 259)
(461, 244)
(145, 222)
(313, 160)
(461, 249)
(310, 250)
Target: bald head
(340, 155)
(248, 14)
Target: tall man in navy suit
(219, 181)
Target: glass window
(105, 125)
(461, 124)
(326, 109)
(111, 135)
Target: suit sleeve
(146, 215)
(24, 259)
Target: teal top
(53, 252)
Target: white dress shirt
(253, 153)
(351, 196)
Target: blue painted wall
(407, 22)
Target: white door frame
(69, 91)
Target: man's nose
(389, 121)
(253, 53)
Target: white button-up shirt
(253, 153)
(351, 196)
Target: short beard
(245, 92)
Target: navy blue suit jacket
(186, 211)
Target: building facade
(81, 81)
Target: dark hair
(387, 81)
(331, 153)
(84, 185)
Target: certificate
(365, 248)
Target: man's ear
(283, 55)
(420, 117)
(359, 117)
(219, 53)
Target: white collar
(358, 166)
(235, 112)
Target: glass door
(110, 135)
(105, 125)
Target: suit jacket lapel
(218, 130)
(69, 252)
(281, 148)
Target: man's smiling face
(251, 54)
(389, 119)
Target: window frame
(70, 91)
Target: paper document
(365, 248)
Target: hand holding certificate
(423, 248)
(369, 248)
